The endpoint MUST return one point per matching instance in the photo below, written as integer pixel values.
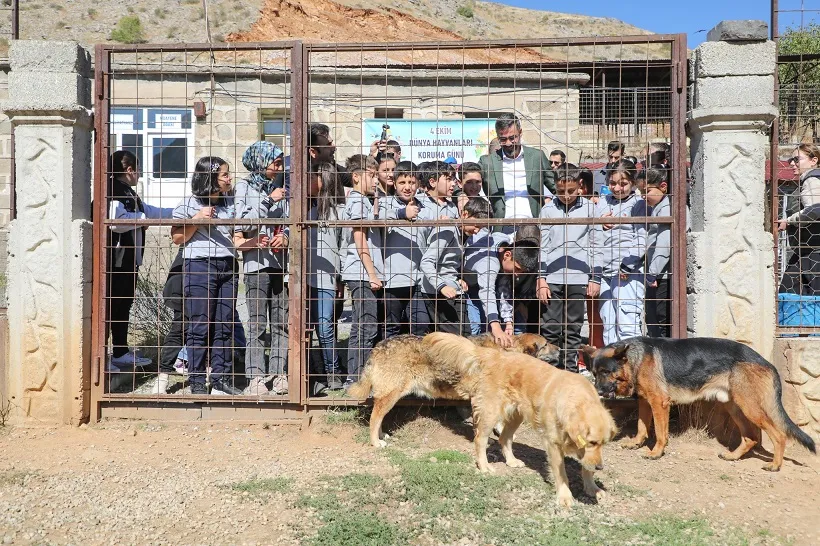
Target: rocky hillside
(93, 21)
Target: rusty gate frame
(299, 405)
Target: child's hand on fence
(263, 241)
(411, 211)
(542, 289)
(608, 215)
(782, 225)
(279, 241)
(593, 289)
(205, 212)
(449, 292)
(277, 195)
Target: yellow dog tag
(581, 441)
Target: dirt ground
(152, 483)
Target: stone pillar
(49, 292)
(730, 271)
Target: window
(163, 141)
(388, 113)
(275, 125)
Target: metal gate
(171, 105)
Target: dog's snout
(599, 466)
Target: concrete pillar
(49, 292)
(730, 273)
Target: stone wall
(798, 361)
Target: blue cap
(451, 160)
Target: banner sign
(433, 140)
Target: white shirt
(516, 196)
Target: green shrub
(128, 31)
(465, 11)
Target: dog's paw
(380, 443)
(486, 469)
(565, 500)
(515, 463)
(727, 456)
(630, 443)
(597, 493)
(652, 454)
(771, 467)
(385, 436)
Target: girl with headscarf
(262, 195)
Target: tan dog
(561, 406)
(400, 366)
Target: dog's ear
(589, 350)
(619, 351)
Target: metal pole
(15, 19)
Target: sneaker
(129, 360)
(318, 388)
(256, 387)
(334, 384)
(221, 387)
(199, 388)
(160, 385)
(181, 366)
(280, 385)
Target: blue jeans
(403, 312)
(209, 287)
(322, 312)
(475, 313)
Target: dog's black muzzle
(607, 391)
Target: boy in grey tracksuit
(658, 252)
(442, 268)
(403, 249)
(570, 267)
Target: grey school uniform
(570, 259)
(250, 209)
(324, 263)
(433, 210)
(209, 240)
(266, 280)
(659, 243)
(570, 253)
(403, 245)
(360, 207)
(623, 249)
(442, 265)
(481, 269)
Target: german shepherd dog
(661, 372)
(401, 366)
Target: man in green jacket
(517, 178)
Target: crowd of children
(402, 273)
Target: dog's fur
(562, 407)
(400, 366)
(661, 372)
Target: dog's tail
(362, 387)
(762, 382)
(450, 349)
(782, 418)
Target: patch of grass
(92, 13)
(159, 13)
(361, 481)
(321, 502)
(344, 417)
(661, 530)
(56, 7)
(128, 31)
(359, 529)
(267, 485)
(629, 491)
(190, 1)
(725, 477)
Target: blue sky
(664, 16)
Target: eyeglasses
(555, 162)
(793, 160)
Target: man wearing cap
(517, 178)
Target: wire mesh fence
(300, 203)
(794, 166)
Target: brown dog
(662, 372)
(400, 366)
(562, 407)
